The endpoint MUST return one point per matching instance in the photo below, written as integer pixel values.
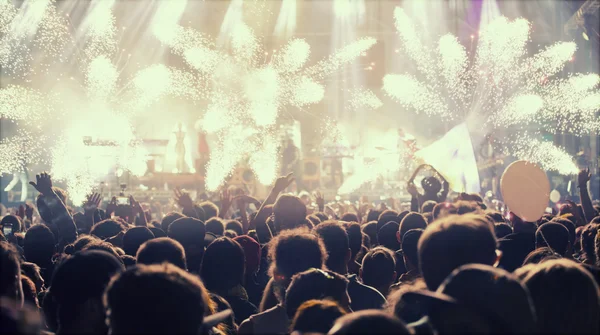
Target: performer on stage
(20, 176)
(289, 157)
(180, 164)
(490, 165)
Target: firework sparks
(500, 87)
(19, 150)
(249, 88)
(26, 31)
(547, 155)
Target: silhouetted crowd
(277, 266)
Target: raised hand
(283, 182)
(136, 206)
(244, 199)
(583, 177)
(226, 201)
(43, 183)
(412, 189)
(183, 199)
(92, 203)
(320, 200)
(21, 212)
(111, 207)
(29, 211)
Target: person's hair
(336, 242)
(553, 235)
(349, 217)
(288, 212)
(79, 278)
(134, 238)
(354, 238)
(322, 216)
(495, 295)
(410, 244)
(223, 265)
(440, 210)
(387, 236)
(428, 206)
(294, 251)
(81, 242)
(368, 322)
(540, 255)
(570, 227)
(107, 228)
(10, 271)
(230, 233)
(104, 246)
(29, 291)
(210, 209)
(495, 217)
(190, 233)
(13, 220)
(236, 226)
(313, 219)
(315, 284)
(370, 228)
(33, 271)
(412, 221)
(316, 316)
(39, 244)
(502, 229)
(168, 219)
(453, 241)
(373, 215)
(215, 225)
(588, 240)
(378, 267)
(132, 298)
(160, 250)
(565, 296)
(387, 216)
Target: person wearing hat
(76, 292)
(159, 299)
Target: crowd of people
(452, 264)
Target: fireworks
(35, 28)
(248, 89)
(500, 87)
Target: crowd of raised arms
(449, 265)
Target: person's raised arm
(412, 190)
(242, 202)
(280, 184)
(320, 200)
(137, 211)
(61, 217)
(226, 200)
(584, 195)
(445, 185)
(184, 200)
(90, 209)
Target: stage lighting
(585, 36)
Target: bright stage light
(286, 21)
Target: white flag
(453, 157)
